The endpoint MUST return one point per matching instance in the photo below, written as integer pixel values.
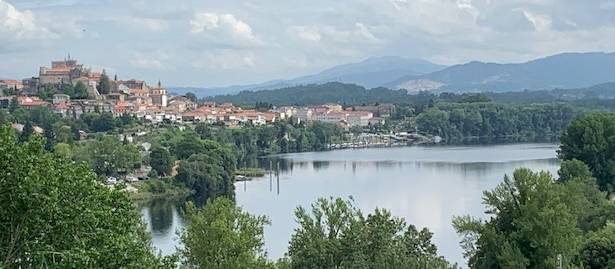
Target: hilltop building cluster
(154, 104)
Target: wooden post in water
(270, 175)
(278, 176)
(245, 179)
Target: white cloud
(154, 25)
(20, 25)
(224, 59)
(306, 33)
(223, 27)
(360, 33)
(153, 60)
(541, 22)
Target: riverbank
(158, 189)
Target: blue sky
(216, 42)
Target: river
(427, 186)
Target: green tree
(26, 132)
(207, 176)
(572, 169)
(79, 91)
(591, 139)
(335, 234)
(222, 236)
(529, 225)
(108, 156)
(581, 194)
(161, 161)
(104, 85)
(188, 145)
(14, 104)
(598, 250)
(191, 96)
(55, 215)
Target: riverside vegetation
(57, 214)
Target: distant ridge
(561, 71)
(567, 70)
(371, 73)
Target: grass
(251, 172)
(159, 188)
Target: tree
(222, 236)
(191, 96)
(598, 251)
(188, 145)
(572, 169)
(55, 215)
(581, 194)
(107, 155)
(26, 132)
(591, 139)
(161, 161)
(104, 85)
(80, 91)
(14, 104)
(529, 226)
(335, 234)
(206, 175)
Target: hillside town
(96, 92)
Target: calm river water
(427, 186)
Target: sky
(211, 43)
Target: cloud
(229, 42)
(20, 25)
(153, 60)
(223, 28)
(140, 23)
(224, 59)
(326, 33)
(541, 22)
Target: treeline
(45, 118)
(333, 92)
(455, 121)
(250, 142)
(350, 94)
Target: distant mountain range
(371, 73)
(567, 70)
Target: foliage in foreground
(55, 215)
(222, 236)
(335, 234)
(591, 139)
(534, 219)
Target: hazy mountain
(371, 73)
(568, 70)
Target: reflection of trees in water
(161, 215)
(286, 165)
(504, 140)
(482, 169)
(470, 169)
(319, 165)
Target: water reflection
(163, 220)
(425, 185)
